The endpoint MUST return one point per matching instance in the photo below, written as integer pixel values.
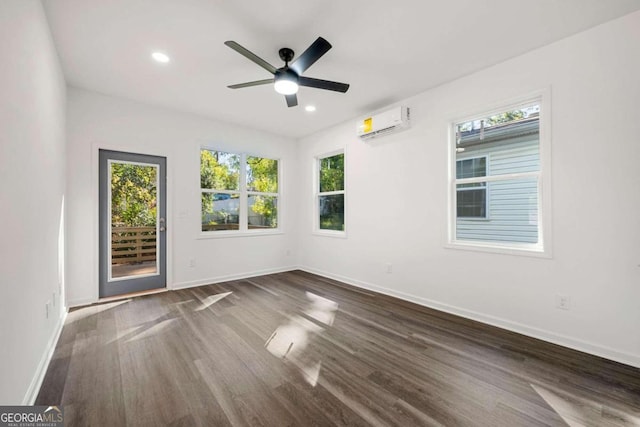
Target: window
(471, 198)
(496, 188)
(238, 192)
(262, 193)
(330, 194)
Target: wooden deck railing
(133, 244)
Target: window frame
(486, 217)
(243, 195)
(543, 248)
(317, 193)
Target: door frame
(93, 295)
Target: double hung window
(330, 193)
(497, 179)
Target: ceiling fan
(287, 79)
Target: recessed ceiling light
(310, 108)
(160, 57)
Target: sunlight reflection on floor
(576, 411)
(84, 312)
(290, 340)
(322, 309)
(212, 299)
(157, 328)
(125, 332)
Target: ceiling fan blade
(292, 100)
(251, 56)
(249, 84)
(310, 56)
(323, 84)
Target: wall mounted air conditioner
(383, 123)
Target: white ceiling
(386, 50)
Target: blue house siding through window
(512, 205)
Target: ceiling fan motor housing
(286, 54)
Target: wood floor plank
(296, 349)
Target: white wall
(97, 121)
(595, 130)
(32, 180)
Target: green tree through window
(331, 192)
(226, 186)
(262, 177)
(218, 171)
(133, 195)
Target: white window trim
(486, 188)
(542, 249)
(316, 195)
(243, 193)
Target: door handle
(162, 227)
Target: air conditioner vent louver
(384, 123)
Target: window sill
(519, 250)
(231, 234)
(330, 233)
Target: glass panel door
(132, 222)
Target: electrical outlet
(389, 268)
(563, 302)
(46, 310)
(192, 262)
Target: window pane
(220, 211)
(133, 219)
(471, 202)
(471, 168)
(510, 139)
(263, 212)
(219, 170)
(332, 212)
(512, 212)
(262, 175)
(332, 173)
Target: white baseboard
(34, 388)
(552, 337)
(227, 278)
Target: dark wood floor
(294, 349)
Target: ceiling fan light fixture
(285, 86)
(160, 57)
